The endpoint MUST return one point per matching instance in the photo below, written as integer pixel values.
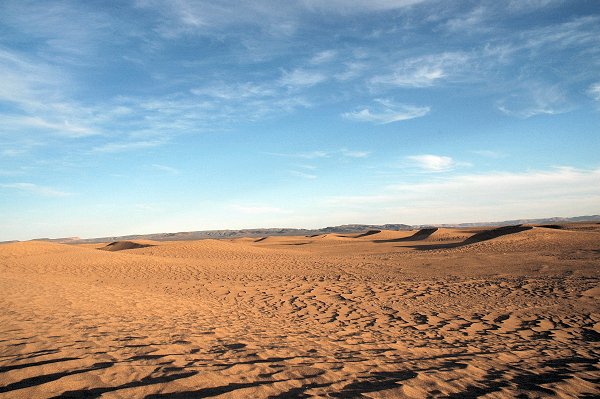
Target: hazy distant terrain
(439, 312)
(348, 228)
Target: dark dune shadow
(561, 364)
(38, 354)
(43, 379)
(493, 382)
(130, 338)
(418, 236)
(235, 346)
(562, 369)
(260, 239)
(479, 237)
(551, 226)
(145, 357)
(368, 233)
(210, 392)
(298, 243)
(533, 382)
(93, 393)
(123, 245)
(590, 335)
(299, 392)
(495, 233)
(374, 382)
(254, 361)
(33, 364)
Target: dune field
(454, 313)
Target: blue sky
(126, 117)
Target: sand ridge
(381, 315)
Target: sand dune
(123, 245)
(480, 313)
(418, 236)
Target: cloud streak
(385, 111)
(424, 71)
(434, 163)
(166, 169)
(35, 189)
(127, 146)
(594, 91)
(303, 175)
(535, 99)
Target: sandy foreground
(445, 313)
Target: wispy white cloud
(226, 102)
(358, 6)
(433, 163)
(65, 128)
(354, 154)
(385, 112)
(180, 17)
(42, 97)
(304, 155)
(531, 5)
(535, 99)
(301, 78)
(352, 70)
(577, 33)
(37, 93)
(472, 21)
(560, 181)
(424, 71)
(305, 166)
(304, 175)
(322, 154)
(71, 32)
(594, 91)
(36, 189)
(308, 171)
(167, 169)
(12, 152)
(234, 91)
(127, 146)
(15, 172)
(27, 82)
(323, 57)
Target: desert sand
(455, 313)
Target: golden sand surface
(453, 313)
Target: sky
(133, 117)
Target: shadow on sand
(479, 237)
(368, 233)
(123, 245)
(418, 236)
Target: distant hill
(221, 234)
(553, 220)
(343, 229)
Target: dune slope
(501, 315)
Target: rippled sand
(382, 315)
